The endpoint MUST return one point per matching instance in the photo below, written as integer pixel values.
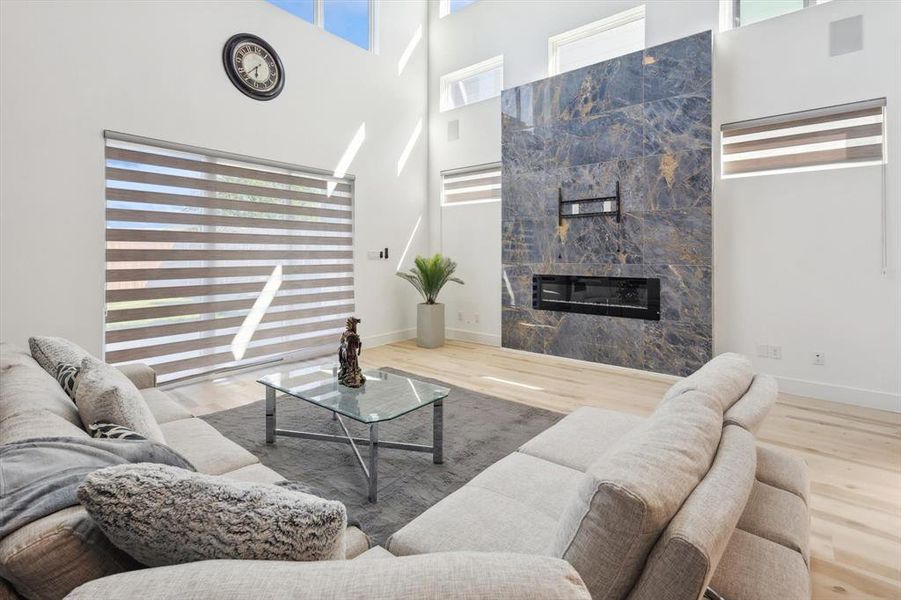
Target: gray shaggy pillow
(104, 394)
(49, 352)
(163, 515)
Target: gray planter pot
(430, 325)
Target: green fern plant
(430, 274)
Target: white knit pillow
(163, 515)
(104, 395)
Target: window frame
(555, 42)
(319, 22)
(444, 8)
(472, 169)
(449, 79)
(733, 20)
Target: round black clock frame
(231, 69)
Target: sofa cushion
(255, 473)
(30, 424)
(725, 379)
(163, 515)
(26, 386)
(751, 409)
(50, 352)
(784, 471)
(753, 568)
(208, 450)
(779, 516)
(104, 395)
(512, 506)
(48, 558)
(469, 575)
(163, 407)
(376, 552)
(581, 437)
(628, 496)
(685, 557)
(535, 482)
(474, 518)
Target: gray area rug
(478, 430)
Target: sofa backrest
(725, 378)
(685, 557)
(631, 493)
(25, 386)
(751, 409)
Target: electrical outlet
(460, 315)
(819, 359)
(763, 350)
(776, 352)
(477, 317)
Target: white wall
(798, 256)
(69, 70)
(790, 251)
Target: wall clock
(253, 66)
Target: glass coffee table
(384, 396)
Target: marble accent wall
(642, 119)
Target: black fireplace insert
(631, 297)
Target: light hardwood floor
(854, 453)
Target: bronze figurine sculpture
(350, 373)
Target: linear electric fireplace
(631, 297)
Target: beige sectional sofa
(49, 558)
(602, 503)
(656, 508)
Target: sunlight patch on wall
(347, 157)
(405, 155)
(408, 51)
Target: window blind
(217, 261)
(836, 136)
(471, 185)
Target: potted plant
(428, 277)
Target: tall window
(848, 135)
(353, 20)
(745, 12)
(446, 7)
(217, 261)
(595, 42)
(471, 185)
(472, 84)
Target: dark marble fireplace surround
(644, 120)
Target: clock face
(253, 66)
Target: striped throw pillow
(111, 431)
(66, 376)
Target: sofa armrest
(444, 576)
(143, 376)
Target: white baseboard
(476, 337)
(380, 339)
(841, 393)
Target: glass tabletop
(383, 397)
